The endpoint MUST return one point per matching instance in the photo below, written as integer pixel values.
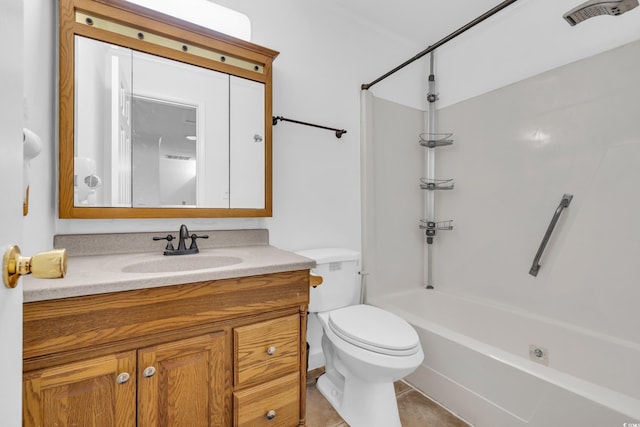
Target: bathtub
(496, 366)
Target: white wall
(324, 59)
(39, 116)
(523, 40)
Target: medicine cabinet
(160, 118)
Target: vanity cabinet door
(183, 383)
(99, 392)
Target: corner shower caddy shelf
(436, 225)
(433, 140)
(436, 184)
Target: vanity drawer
(272, 404)
(266, 350)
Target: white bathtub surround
(477, 364)
(517, 150)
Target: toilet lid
(374, 329)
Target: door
(11, 116)
(184, 383)
(99, 392)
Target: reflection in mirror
(207, 93)
(102, 159)
(150, 131)
(164, 153)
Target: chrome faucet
(182, 246)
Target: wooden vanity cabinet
(175, 384)
(220, 353)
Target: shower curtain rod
(339, 132)
(436, 45)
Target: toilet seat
(374, 329)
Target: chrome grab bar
(566, 199)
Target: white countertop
(97, 274)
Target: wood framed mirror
(160, 118)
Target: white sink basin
(170, 264)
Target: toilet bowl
(365, 348)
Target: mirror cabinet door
(247, 144)
(102, 136)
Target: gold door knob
(45, 265)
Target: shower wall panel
(395, 202)
(518, 149)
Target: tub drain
(538, 354)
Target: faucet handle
(169, 238)
(194, 237)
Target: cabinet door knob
(271, 414)
(271, 350)
(123, 378)
(149, 371)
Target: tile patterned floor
(415, 409)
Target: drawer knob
(149, 371)
(123, 378)
(271, 414)
(271, 350)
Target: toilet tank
(340, 286)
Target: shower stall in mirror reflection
(156, 164)
(165, 152)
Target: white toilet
(365, 348)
